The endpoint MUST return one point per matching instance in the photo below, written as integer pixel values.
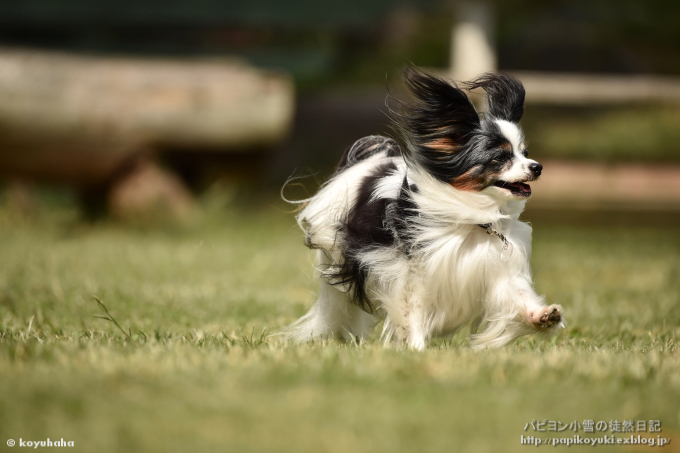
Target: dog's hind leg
(359, 324)
(332, 316)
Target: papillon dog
(424, 232)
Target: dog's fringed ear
(437, 123)
(504, 94)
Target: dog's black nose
(536, 168)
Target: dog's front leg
(544, 317)
(406, 320)
(532, 309)
(513, 309)
(416, 333)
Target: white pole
(472, 40)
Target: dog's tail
(366, 147)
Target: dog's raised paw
(545, 317)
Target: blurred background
(128, 107)
(143, 147)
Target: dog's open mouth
(519, 189)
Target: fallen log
(76, 119)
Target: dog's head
(445, 136)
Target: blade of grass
(109, 317)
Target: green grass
(192, 369)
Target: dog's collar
(507, 246)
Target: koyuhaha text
(42, 443)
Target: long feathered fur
(397, 228)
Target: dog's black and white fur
(414, 232)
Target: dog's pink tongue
(526, 188)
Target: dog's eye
(525, 153)
(504, 157)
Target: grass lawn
(193, 371)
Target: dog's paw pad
(545, 317)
